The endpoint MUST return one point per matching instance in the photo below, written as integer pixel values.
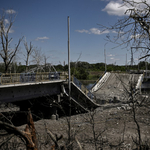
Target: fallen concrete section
(80, 98)
(116, 87)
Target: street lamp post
(105, 57)
(69, 80)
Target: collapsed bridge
(55, 90)
(43, 90)
(115, 86)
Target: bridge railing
(101, 82)
(15, 78)
(98, 79)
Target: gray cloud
(42, 38)
(92, 31)
(10, 11)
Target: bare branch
(6, 53)
(134, 28)
(78, 143)
(29, 51)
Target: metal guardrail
(140, 80)
(15, 78)
(101, 82)
(98, 80)
(0, 78)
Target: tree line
(81, 70)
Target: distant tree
(72, 64)
(37, 58)
(59, 67)
(81, 73)
(45, 62)
(7, 53)
(83, 64)
(65, 67)
(21, 68)
(141, 64)
(98, 66)
(2, 66)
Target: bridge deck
(30, 83)
(24, 91)
(117, 86)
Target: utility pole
(126, 63)
(132, 61)
(138, 65)
(69, 78)
(69, 82)
(105, 57)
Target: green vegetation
(82, 70)
(86, 71)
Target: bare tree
(97, 135)
(29, 50)
(37, 57)
(7, 53)
(133, 29)
(136, 105)
(45, 62)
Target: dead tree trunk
(29, 135)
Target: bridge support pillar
(53, 113)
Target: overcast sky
(44, 22)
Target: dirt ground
(112, 127)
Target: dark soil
(114, 128)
